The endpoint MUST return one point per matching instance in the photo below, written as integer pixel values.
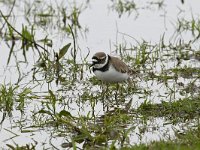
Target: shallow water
(106, 31)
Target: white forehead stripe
(94, 60)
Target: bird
(109, 69)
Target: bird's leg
(116, 93)
(131, 85)
(107, 91)
(104, 94)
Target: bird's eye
(100, 60)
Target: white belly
(111, 75)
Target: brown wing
(119, 65)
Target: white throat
(98, 66)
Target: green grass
(190, 140)
(185, 109)
(7, 98)
(78, 108)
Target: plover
(109, 69)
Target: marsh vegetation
(50, 99)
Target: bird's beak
(92, 65)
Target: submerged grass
(183, 109)
(82, 110)
(188, 140)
